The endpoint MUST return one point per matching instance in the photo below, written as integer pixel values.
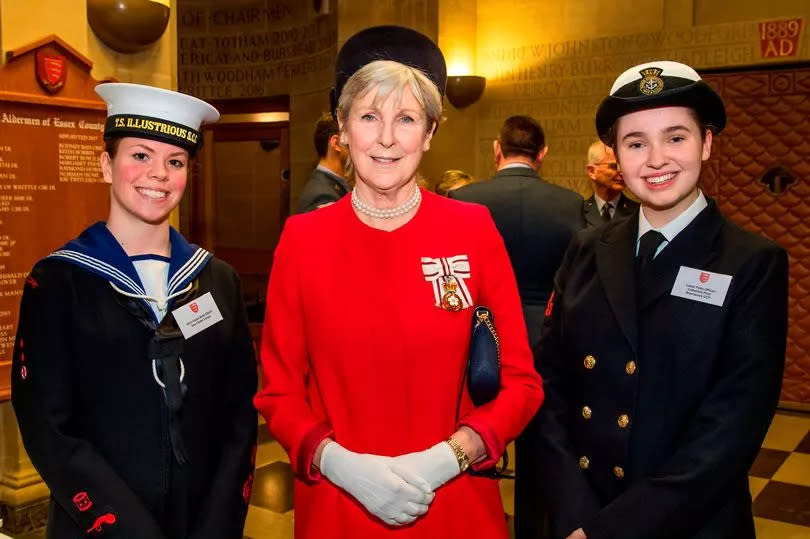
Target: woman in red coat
(368, 322)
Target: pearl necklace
(386, 213)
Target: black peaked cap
(661, 83)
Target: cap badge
(651, 83)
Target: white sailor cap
(135, 110)
(660, 84)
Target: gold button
(586, 412)
(590, 362)
(623, 420)
(630, 367)
(584, 463)
(618, 471)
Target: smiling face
(386, 139)
(147, 180)
(661, 151)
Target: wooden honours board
(51, 127)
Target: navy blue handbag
(484, 374)
(484, 363)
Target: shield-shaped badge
(51, 71)
(704, 277)
(194, 307)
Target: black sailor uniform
(138, 432)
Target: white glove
(372, 483)
(436, 465)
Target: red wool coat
(355, 347)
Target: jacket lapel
(625, 206)
(592, 213)
(694, 247)
(339, 188)
(615, 254)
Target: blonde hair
(453, 179)
(389, 78)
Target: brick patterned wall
(769, 130)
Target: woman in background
(451, 180)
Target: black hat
(660, 84)
(395, 43)
(135, 110)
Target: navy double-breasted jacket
(656, 405)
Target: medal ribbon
(437, 269)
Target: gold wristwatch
(461, 456)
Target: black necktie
(606, 211)
(647, 247)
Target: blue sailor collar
(97, 251)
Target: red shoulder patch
(31, 281)
(247, 488)
(550, 304)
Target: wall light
(464, 90)
(128, 25)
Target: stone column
(23, 494)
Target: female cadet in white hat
(133, 366)
(654, 414)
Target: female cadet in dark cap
(654, 414)
(133, 368)
(368, 322)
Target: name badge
(197, 315)
(703, 286)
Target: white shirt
(674, 227)
(154, 273)
(516, 165)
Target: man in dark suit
(608, 200)
(326, 183)
(537, 220)
(663, 350)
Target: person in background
(537, 220)
(608, 200)
(133, 366)
(451, 180)
(326, 183)
(365, 362)
(663, 350)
